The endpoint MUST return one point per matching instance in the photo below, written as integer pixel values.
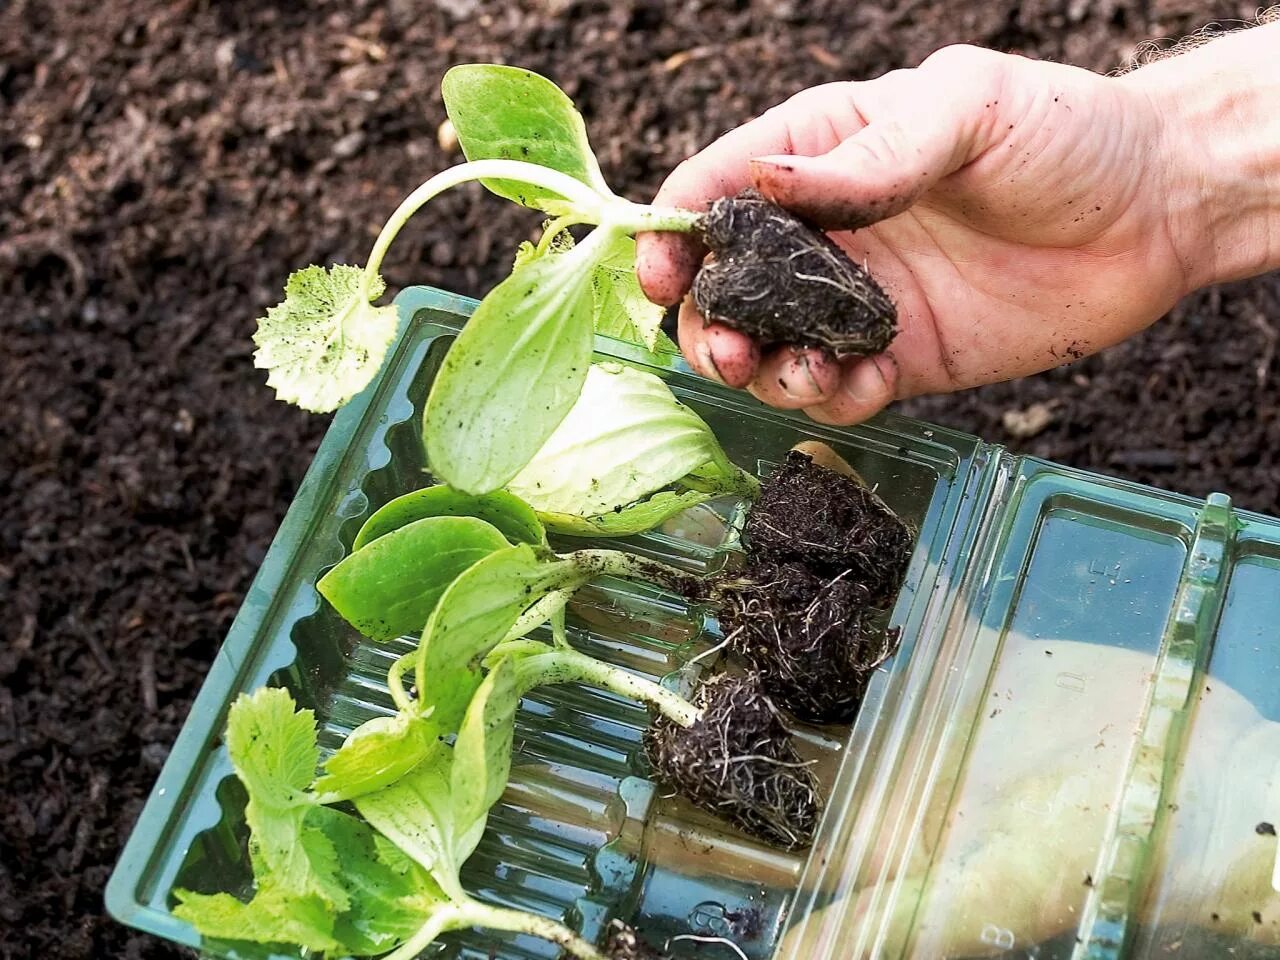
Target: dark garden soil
(165, 163)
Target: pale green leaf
(415, 813)
(377, 753)
(512, 517)
(326, 340)
(482, 752)
(632, 519)
(473, 617)
(272, 916)
(622, 310)
(391, 897)
(625, 438)
(273, 749)
(513, 373)
(507, 113)
(389, 587)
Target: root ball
(738, 762)
(780, 280)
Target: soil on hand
(623, 943)
(164, 164)
(781, 280)
(808, 636)
(832, 524)
(738, 762)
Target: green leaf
(273, 749)
(272, 916)
(625, 438)
(506, 113)
(636, 518)
(513, 373)
(482, 754)
(377, 753)
(326, 340)
(473, 617)
(415, 813)
(391, 897)
(512, 517)
(389, 587)
(622, 310)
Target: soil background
(164, 165)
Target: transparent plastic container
(1075, 752)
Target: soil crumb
(832, 524)
(808, 636)
(738, 762)
(780, 280)
(624, 943)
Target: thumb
(910, 142)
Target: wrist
(1220, 152)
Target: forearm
(1221, 152)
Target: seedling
(516, 369)
(326, 881)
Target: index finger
(666, 262)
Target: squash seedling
(515, 371)
(386, 885)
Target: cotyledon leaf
(632, 519)
(389, 587)
(513, 518)
(482, 754)
(507, 113)
(514, 371)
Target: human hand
(1020, 214)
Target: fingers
(867, 385)
(810, 122)
(715, 351)
(922, 125)
(792, 379)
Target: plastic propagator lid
(1083, 760)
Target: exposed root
(807, 636)
(738, 762)
(624, 943)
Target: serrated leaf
(389, 587)
(635, 518)
(482, 753)
(391, 897)
(273, 749)
(507, 113)
(626, 437)
(513, 373)
(622, 310)
(377, 753)
(512, 517)
(326, 340)
(270, 917)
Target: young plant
(516, 369)
(326, 881)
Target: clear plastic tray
(1075, 752)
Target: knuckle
(963, 57)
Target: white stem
(585, 201)
(482, 915)
(441, 919)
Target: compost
(164, 164)
(781, 280)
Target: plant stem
(443, 918)
(538, 614)
(615, 563)
(570, 666)
(640, 217)
(474, 913)
(395, 682)
(587, 203)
